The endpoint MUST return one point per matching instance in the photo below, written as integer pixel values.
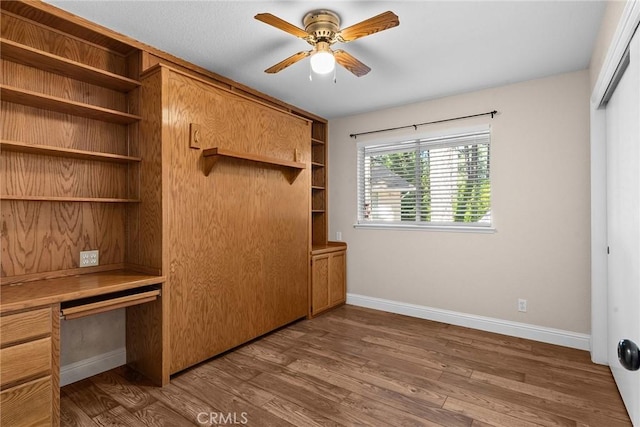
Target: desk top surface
(36, 293)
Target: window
(440, 182)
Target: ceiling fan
(322, 30)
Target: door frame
(624, 31)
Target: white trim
(499, 326)
(94, 365)
(599, 268)
(455, 228)
(628, 22)
(621, 38)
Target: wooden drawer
(15, 328)
(25, 361)
(29, 404)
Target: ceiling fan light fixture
(322, 59)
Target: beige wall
(610, 21)
(540, 181)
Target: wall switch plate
(89, 258)
(339, 236)
(522, 305)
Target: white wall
(610, 20)
(540, 181)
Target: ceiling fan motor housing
(322, 25)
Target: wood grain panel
(32, 125)
(148, 341)
(43, 38)
(320, 283)
(26, 55)
(210, 274)
(337, 281)
(55, 363)
(36, 395)
(146, 220)
(25, 361)
(44, 236)
(60, 86)
(25, 325)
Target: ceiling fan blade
(286, 62)
(381, 22)
(281, 24)
(350, 63)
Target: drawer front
(25, 361)
(23, 326)
(29, 404)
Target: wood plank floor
(355, 366)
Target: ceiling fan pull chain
(334, 75)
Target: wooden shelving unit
(216, 153)
(319, 232)
(71, 165)
(27, 55)
(66, 106)
(48, 150)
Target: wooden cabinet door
(320, 276)
(337, 279)
(328, 280)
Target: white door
(623, 228)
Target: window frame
(413, 139)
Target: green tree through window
(431, 181)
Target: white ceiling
(440, 48)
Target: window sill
(447, 228)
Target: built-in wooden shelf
(68, 199)
(61, 105)
(317, 187)
(26, 55)
(328, 247)
(28, 294)
(318, 165)
(315, 141)
(214, 154)
(49, 150)
(317, 211)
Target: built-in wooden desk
(30, 314)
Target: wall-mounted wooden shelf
(214, 154)
(317, 187)
(317, 165)
(317, 211)
(68, 199)
(315, 141)
(27, 55)
(66, 106)
(72, 153)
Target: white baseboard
(94, 365)
(489, 324)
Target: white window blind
(440, 181)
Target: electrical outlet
(339, 236)
(88, 258)
(522, 305)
